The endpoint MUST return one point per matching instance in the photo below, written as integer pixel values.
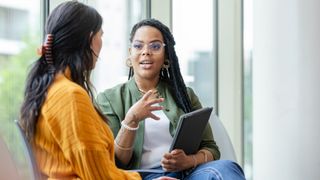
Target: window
(19, 38)
(111, 68)
(13, 22)
(195, 46)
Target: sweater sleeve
(84, 139)
(114, 122)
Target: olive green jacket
(115, 102)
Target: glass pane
(19, 39)
(195, 46)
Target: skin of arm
(138, 112)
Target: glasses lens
(154, 47)
(137, 46)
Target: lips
(146, 64)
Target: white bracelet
(128, 127)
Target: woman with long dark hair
(143, 143)
(70, 138)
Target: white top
(157, 140)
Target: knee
(224, 168)
(228, 166)
(226, 163)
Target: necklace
(142, 91)
(155, 92)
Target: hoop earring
(166, 64)
(128, 62)
(165, 68)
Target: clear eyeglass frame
(153, 47)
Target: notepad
(190, 129)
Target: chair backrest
(31, 162)
(8, 168)
(222, 138)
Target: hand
(144, 107)
(176, 160)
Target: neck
(145, 85)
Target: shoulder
(195, 102)
(191, 92)
(67, 91)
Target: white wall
(286, 89)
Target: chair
(31, 163)
(222, 139)
(17, 163)
(8, 169)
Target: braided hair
(172, 75)
(71, 27)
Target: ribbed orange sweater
(71, 139)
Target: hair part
(172, 75)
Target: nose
(145, 51)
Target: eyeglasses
(153, 47)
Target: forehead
(147, 34)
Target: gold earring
(165, 68)
(128, 62)
(166, 64)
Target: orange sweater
(71, 139)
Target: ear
(90, 36)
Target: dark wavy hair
(172, 75)
(73, 25)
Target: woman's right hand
(144, 107)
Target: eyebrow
(148, 42)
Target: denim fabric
(214, 170)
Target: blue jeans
(213, 170)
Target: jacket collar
(137, 94)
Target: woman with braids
(143, 143)
(70, 138)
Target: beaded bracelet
(128, 127)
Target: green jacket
(115, 102)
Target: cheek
(161, 60)
(96, 44)
(99, 44)
(135, 61)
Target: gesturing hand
(143, 108)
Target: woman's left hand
(176, 160)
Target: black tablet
(190, 129)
